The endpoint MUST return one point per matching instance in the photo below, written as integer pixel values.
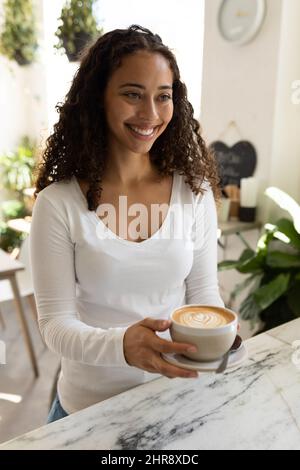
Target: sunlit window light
(287, 203)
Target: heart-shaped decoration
(234, 162)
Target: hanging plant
(18, 39)
(78, 27)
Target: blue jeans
(56, 412)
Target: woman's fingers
(171, 347)
(143, 349)
(170, 371)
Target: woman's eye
(137, 96)
(165, 97)
(132, 95)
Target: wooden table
(8, 269)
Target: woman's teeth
(140, 131)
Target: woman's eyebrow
(137, 85)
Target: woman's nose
(148, 110)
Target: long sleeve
(53, 268)
(202, 281)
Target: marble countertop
(254, 406)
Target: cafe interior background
(243, 77)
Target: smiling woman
(79, 144)
(126, 131)
(138, 109)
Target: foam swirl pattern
(202, 319)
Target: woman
(105, 283)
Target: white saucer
(235, 359)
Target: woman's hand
(143, 349)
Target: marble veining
(253, 406)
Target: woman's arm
(202, 281)
(53, 270)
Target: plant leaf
(242, 285)
(270, 292)
(249, 310)
(232, 264)
(228, 264)
(278, 259)
(246, 255)
(287, 227)
(264, 240)
(252, 265)
(293, 299)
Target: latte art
(203, 317)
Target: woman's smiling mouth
(142, 133)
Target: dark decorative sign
(234, 162)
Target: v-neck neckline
(113, 235)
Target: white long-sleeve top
(90, 284)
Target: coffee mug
(211, 329)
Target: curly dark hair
(78, 144)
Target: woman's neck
(130, 170)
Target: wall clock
(240, 20)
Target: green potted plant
(77, 27)
(18, 39)
(273, 269)
(16, 170)
(9, 238)
(17, 167)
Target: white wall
(239, 84)
(285, 169)
(12, 102)
(22, 98)
(180, 24)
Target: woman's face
(138, 102)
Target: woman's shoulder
(201, 185)
(57, 197)
(55, 191)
